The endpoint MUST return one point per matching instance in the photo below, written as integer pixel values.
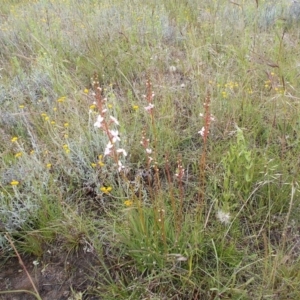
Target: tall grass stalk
(202, 162)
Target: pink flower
(149, 107)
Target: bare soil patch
(58, 276)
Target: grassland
(160, 137)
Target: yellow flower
(61, 99)
(109, 105)
(128, 203)
(21, 106)
(19, 154)
(66, 124)
(54, 108)
(52, 123)
(135, 107)
(66, 148)
(48, 166)
(100, 162)
(86, 91)
(224, 94)
(14, 182)
(14, 139)
(31, 152)
(93, 165)
(93, 106)
(106, 190)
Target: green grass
(196, 217)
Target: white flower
(182, 258)
(35, 262)
(122, 151)
(99, 121)
(115, 135)
(149, 107)
(120, 166)
(108, 148)
(224, 217)
(201, 132)
(148, 151)
(179, 172)
(114, 120)
(172, 69)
